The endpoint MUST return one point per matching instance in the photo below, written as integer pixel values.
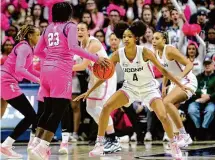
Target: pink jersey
(60, 40)
(19, 63)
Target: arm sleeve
(33, 71)
(23, 51)
(73, 45)
(39, 49)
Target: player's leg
(76, 116)
(176, 96)
(3, 107)
(21, 104)
(66, 131)
(159, 109)
(117, 100)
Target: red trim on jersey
(178, 66)
(96, 98)
(151, 70)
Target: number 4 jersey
(138, 72)
(139, 84)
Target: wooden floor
(151, 150)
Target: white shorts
(146, 93)
(190, 82)
(76, 88)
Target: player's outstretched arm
(114, 58)
(149, 55)
(174, 54)
(94, 47)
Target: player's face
(128, 38)
(82, 32)
(35, 36)
(158, 41)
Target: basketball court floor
(151, 150)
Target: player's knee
(166, 102)
(76, 108)
(162, 117)
(107, 108)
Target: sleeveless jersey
(101, 91)
(138, 72)
(173, 67)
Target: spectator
(6, 48)
(147, 17)
(114, 13)
(37, 14)
(165, 21)
(195, 56)
(147, 38)
(43, 25)
(100, 35)
(114, 44)
(29, 20)
(87, 18)
(210, 41)
(174, 31)
(131, 10)
(97, 17)
(12, 31)
(156, 8)
(204, 99)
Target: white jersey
(173, 67)
(138, 72)
(176, 68)
(101, 92)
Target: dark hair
(91, 25)
(2, 46)
(44, 21)
(197, 51)
(100, 31)
(165, 36)
(151, 28)
(138, 28)
(173, 9)
(32, 10)
(87, 26)
(61, 12)
(24, 31)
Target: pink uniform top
(61, 43)
(19, 63)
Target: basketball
(103, 73)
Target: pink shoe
(98, 150)
(40, 153)
(31, 146)
(184, 140)
(9, 153)
(176, 152)
(63, 148)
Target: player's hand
(164, 90)
(82, 96)
(104, 62)
(185, 88)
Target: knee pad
(95, 112)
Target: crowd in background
(159, 15)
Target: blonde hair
(24, 31)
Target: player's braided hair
(24, 31)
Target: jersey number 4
(135, 77)
(53, 39)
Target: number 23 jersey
(137, 72)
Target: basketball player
(177, 64)
(19, 65)
(139, 84)
(97, 98)
(60, 41)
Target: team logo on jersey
(133, 69)
(125, 64)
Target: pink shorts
(9, 86)
(40, 96)
(55, 83)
